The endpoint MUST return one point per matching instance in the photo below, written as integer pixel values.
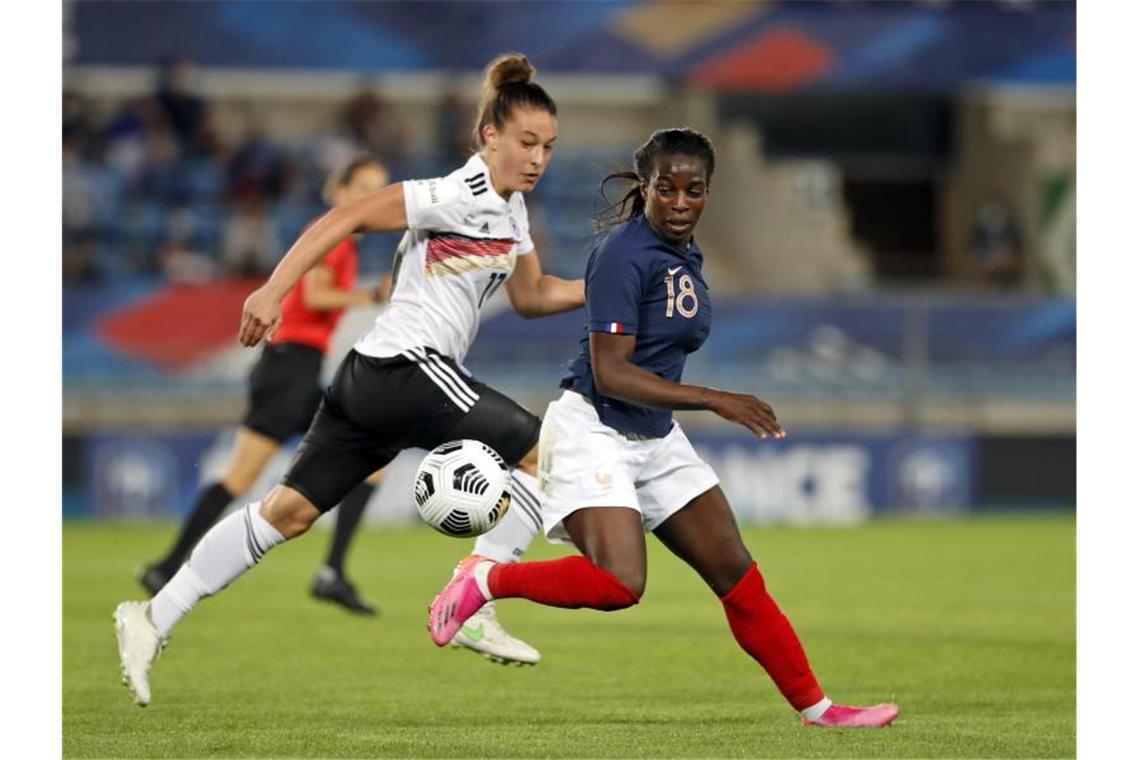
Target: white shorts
(583, 462)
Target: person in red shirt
(284, 392)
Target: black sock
(347, 518)
(212, 501)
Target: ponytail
(507, 85)
(631, 205)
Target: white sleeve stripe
(430, 372)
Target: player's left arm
(534, 294)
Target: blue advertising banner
(823, 478)
(807, 479)
(141, 475)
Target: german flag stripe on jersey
(456, 254)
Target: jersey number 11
(497, 279)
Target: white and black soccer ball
(463, 488)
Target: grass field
(969, 625)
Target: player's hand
(747, 410)
(259, 316)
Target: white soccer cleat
(482, 633)
(139, 645)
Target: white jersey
(462, 243)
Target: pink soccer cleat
(459, 600)
(841, 716)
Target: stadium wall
(834, 477)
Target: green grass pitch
(969, 625)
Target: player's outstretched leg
(507, 542)
(704, 534)
(764, 632)
(208, 507)
(569, 582)
(230, 548)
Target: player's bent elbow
(606, 379)
(526, 309)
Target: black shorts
(376, 408)
(284, 390)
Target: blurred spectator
(367, 120)
(328, 153)
(180, 263)
(250, 245)
(996, 253)
(453, 129)
(124, 136)
(78, 122)
(83, 204)
(161, 175)
(79, 263)
(187, 112)
(258, 169)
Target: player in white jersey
(403, 385)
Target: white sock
(816, 711)
(231, 547)
(510, 539)
(481, 571)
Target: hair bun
(509, 68)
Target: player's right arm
(380, 211)
(420, 204)
(616, 376)
(615, 284)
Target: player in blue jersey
(613, 463)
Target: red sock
(765, 633)
(568, 582)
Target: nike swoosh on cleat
(475, 634)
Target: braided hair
(683, 140)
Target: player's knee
(728, 573)
(288, 511)
(634, 583)
(631, 580)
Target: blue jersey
(637, 283)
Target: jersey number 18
(685, 302)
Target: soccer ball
(463, 488)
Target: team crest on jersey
(514, 227)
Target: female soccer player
(403, 385)
(613, 463)
(284, 391)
